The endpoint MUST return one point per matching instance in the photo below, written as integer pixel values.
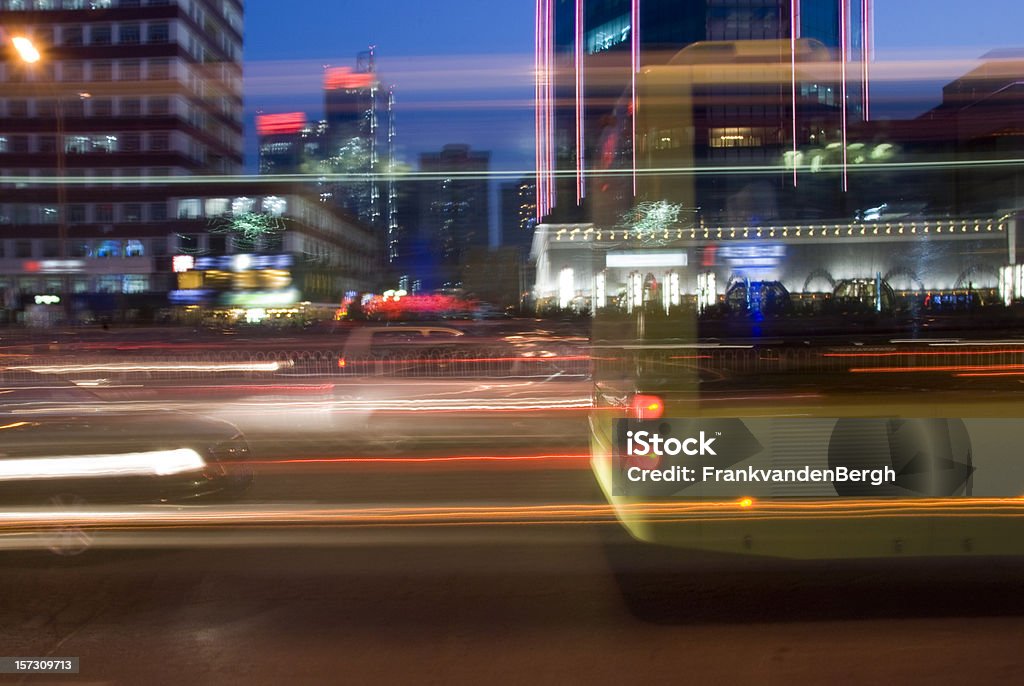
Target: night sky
(462, 68)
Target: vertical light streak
(580, 183)
(549, 59)
(537, 107)
(794, 30)
(634, 35)
(866, 42)
(544, 155)
(843, 46)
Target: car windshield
(482, 342)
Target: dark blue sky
(462, 68)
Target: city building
(958, 158)
(274, 247)
(594, 56)
(352, 148)
(102, 103)
(518, 212)
(587, 267)
(258, 244)
(454, 209)
(105, 107)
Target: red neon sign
(337, 78)
(289, 122)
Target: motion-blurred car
(62, 446)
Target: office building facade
(593, 58)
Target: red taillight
(646, 406)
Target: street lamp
(26, 50)
(30, 55)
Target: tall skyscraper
(518, 212)
(454, 210)
(354, 145)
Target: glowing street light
(26, 50)
(29, 54)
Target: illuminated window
(242, 205)
(134, 248)
(135, 283)
(275, 206)
(743, 136)
(216, 207)
(608, 35)
(104, 143)
(109, 248)
(76, 144)
(188, 209)
(109, 283)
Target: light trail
(937, 368)
(916, 353)
(450, 459)
(155, 367)
(733, 510)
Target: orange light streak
(938, 368)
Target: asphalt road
(540, 612)
(502, 603)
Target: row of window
(81, 107)
(187, 208)
(106, 283)
(104, 34)
(194, 208)
(45, 5)
(80, 213)
(118, 248)
(74, 71)
(49, 248)
(76, 144)
(125, 174)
